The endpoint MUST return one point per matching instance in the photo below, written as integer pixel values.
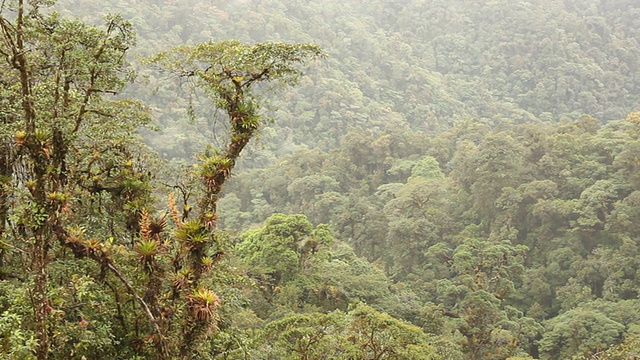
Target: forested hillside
(423, 65)
(447, 180)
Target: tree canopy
(453, 180)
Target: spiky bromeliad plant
(204, 305)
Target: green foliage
(19, 341)
(76, 190)
(307, 336)
(227, 69)
(626, 350)
(298, 267)
(275, 250)
(483, 277)
(428, 168)
(362, 333)
(577, 332)
(462, 190)
(552, 205)
(381, 336)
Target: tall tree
(55, 73)
(228, 72)
(75, 178)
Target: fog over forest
(289, 179)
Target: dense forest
(287, 179)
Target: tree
(483, 278)
(628, 349)
(298, 268)
(76, 182)
(361, 333)
(418, 218)
(55, 75)
(228, 72)
(578, 331)
(277, 252)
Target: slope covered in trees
(502, 235)
(420, 64)
(431, 190)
